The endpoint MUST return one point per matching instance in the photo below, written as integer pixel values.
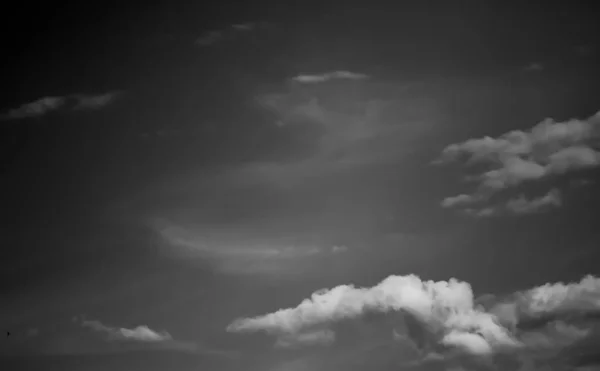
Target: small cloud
(213, 37)
(209, 38)
(244, 26)
(585, 50)
(342, 75)
(337, 249)
(46, 105)
(462, 199)
(92, 102)
(37, 108)
(522, 205)
(140, 333)
(534, 67)
(518, 205)
(310, 338)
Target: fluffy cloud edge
(448, 309)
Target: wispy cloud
(37, 108)
(231, 32)
(46, 105)
(309, 338)
(351, 123)
(236, 251)
(534, 67)
(533, 324)
(547, 150)
(140, 333)
(311, 79)
(85, 102)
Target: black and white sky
(290, 186)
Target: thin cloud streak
(236, 251)
(336, 75)
(46, 105)
(232, 32)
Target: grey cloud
(519, 205)
(315, 337)
(231, 32)
(36, 108)
(46, 105)
(91, 102)
(522, 205)
(548, 149)
(311, 79)
(350, 124)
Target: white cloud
(549, 149)
(446, 310)
(446, 306)
(563, 297)
(140, 333)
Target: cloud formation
(547, 150)
(342, 121)
(312, 79)
(238, 251)
(140, 333)
(43, 106)
(232, 32)
(528, 322)
(37, 108)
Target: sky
(300, 186)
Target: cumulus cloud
(43, 106)
(140, 333)
(563, 297)
(531, 324)
(445, 306)
(547, 150)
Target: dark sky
(170, 168)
